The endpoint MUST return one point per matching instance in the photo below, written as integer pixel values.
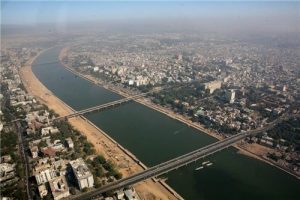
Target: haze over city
(201, 16)
(150, 100)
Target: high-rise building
(230, 96)
(82, 174)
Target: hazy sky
(31, 12)
(271, 15)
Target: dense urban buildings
(104, 92)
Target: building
(130, 194)
(284, 88)
(212, 86)
(42, 190)
(34, 151)
(120, 195)
(96, 69)
(130, 82)
(7, 172)
(57, 145)
(49, 130)
(267, 141)
(230, 96)
(82, 174)
(5, 158)
(70, 143)
(44, 173)
(59, 188)
(60, 166)
(1, 126)
(48, 151)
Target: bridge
(46, 63)
(118, 102)
(103, 106)
(177, 162)
(110, 104)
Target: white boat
(204, 163)
(209, 164)
(198, 168)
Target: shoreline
(126, 162)
(146, 102)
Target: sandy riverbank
(255, 151)
(147, 189)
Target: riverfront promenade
(103, 145)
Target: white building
(57, 145)
(130, 82)
(130, 194)
(44, 173)
(34, 151)
(59, 188)
(42, 190)
(96, 69)
(69, 142)
(49, 130)
(1, 126)
(82, 174)
(120, 195)
(230, 96)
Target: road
(24, 157)
(18, 128)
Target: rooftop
(80, 168)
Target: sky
(33, 12)
(268, 16)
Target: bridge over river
(178, 161)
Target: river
(153, 138)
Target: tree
(100, 160)
(108, 166)
(97, 183)
(99, 171)
(118, 175)
(42, 144)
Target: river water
(154, 138)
